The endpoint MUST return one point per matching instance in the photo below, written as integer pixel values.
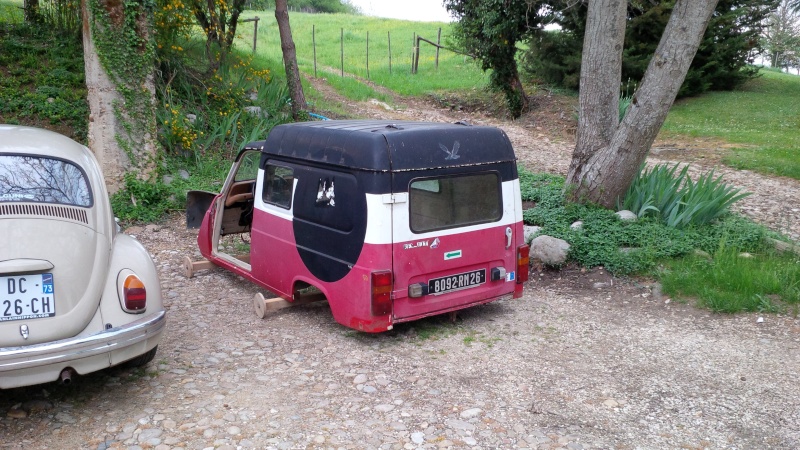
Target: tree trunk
(608, 154)
(106, 130)
(31, 11)
(290, 60)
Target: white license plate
(27, 297)
(457, 282)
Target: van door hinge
(400, 197)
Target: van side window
(457, 201)
(278, 184)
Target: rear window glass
(25, 178)
(449, 202)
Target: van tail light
(382, 293)
(134, 295)
(523, 263)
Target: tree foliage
(218, 19)
(781, 36)
(312, 6)
(490, 30)
(729, 44)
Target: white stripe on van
(379, 226)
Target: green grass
(11, 11)
(762, 120)
(768, 282)
(728, 282)
(41, 77)
(455, 72)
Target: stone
(184, 174)
(577, 225)
(470, 413)
(549, 250)
(418, 437)
(530, 231)
(192, 118)
(16, 413)
(626, 215)
(360, 379)
(460, 425)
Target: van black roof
(382, 145)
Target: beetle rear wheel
(142, 359)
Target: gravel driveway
(582, 361)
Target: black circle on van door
(330, 223)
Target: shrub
(625, 247)
(671, 195)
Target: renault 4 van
(388, 221)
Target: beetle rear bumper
(42, 363)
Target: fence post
(438, 43)
(416, 56)
(341, 50)
(255, 35)
(368, 55)
(314, 46)
(413, 51)
(389, 37)
(255, 30)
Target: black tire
(142, 359)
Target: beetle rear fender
(128, 256)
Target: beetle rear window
(39, 179)
(449, 202)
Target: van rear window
(457, 201)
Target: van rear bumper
(508, 296)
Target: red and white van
(389, 221)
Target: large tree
(608, 153)
(490, 30)
(290, 60)
(723, 60)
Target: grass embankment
(761, 119)
(455, 72)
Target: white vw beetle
(76, 295)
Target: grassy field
(455, 72)
(763, 117)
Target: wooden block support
(190, 267)
(262, 305)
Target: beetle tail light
(523, 263)
(381, 293)
(134, 295)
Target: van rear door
(455, 239)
